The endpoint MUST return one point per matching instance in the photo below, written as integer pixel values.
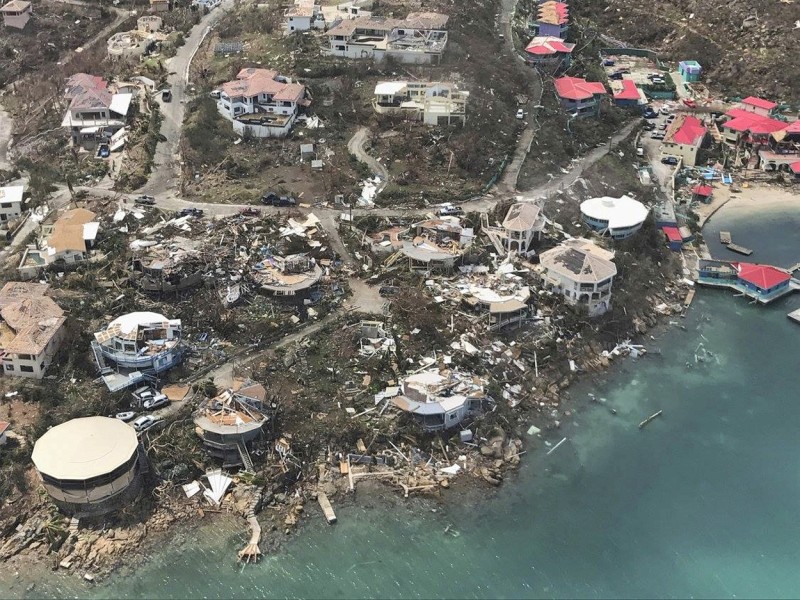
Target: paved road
(166, 174)
(6, 127)
(356, 147)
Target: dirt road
(6, 125)
(356, 147)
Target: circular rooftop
(84, 448)
(130, 322)
(620, 213)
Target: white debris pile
(369, 189)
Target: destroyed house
(420, 38)
(441, 400)
(292, 275)
(581, 272)
(32, 327)
(66, 242)
(94, 112)
(433, 103)
(552, 19)
(261, 103)
(166, 269)
(231, 423)
(521, 229)
(437, 245)
(135, 347)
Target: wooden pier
(689, 297)
(326, 507)
(739, 249)
(725, 237)
(795, 315)
(794, 267)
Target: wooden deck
(739, 249)
(795, 315)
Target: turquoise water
(703, 502)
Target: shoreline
(166, 523)
(747, 202)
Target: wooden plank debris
(326, 507)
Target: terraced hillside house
(94, 113)
(10, 202)
(31, 329)
(16, 14)
(684, 138)
(580, 271)
(552, 19)
(579, 97)
(420, 38)
(750, 128)
(304, 15)
(64, 243)
(432, 102)
(261, 103)
(136, 347)
(520, 231)
(549, 54)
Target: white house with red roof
(758, 106)
(578, 96)
(261, 103)
(684, 138)
(549, 53)
(750, 127)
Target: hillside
(744, 47)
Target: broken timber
(646, 422)
(326, 507)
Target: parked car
(166, 96)
(191, 212)
(144, 423)
(608, 63)
(450, 211)
(250, 211)
(639, 151)
(663, 126)
(664, 110)
(388, 290)
(648, 126)
(103, 151)
(616, 76)
(670, 160)
(649, 113)
(670, 118)
(284, 201)
(520, 114)
(156, 401)
(656, 135)
(690, 103)
(125, 416)
(145, 200)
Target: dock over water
(795, 315)
(739, 249)
(725, 237)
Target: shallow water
(702, 502)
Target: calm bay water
(703, 502)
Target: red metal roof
(629, 91)
(703, 190)
(759, 103)
(575, 88)
(747, 121)
(794, 127)
(795, 167)
(762, 276)
(3, 426)
(689, 131)
(673, 234)
(543, 45)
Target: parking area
(639, 69)
(651, 137)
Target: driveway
(356, 147)
(166, 174)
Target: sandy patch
(754, 199)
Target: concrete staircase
(245, 456)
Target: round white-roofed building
(616, 217)
(89, 465)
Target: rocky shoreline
(40, 537)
